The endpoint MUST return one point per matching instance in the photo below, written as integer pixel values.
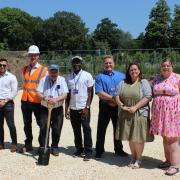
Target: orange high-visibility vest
(31, 83)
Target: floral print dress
(166, 106)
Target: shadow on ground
(112, 159)
(107, 157)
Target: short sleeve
(64, 86)
(119, 88)
(98, 84)
(90, 80)
(146, 89)
(67, 82)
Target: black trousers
(27, 109)
(76, 123)
(7, 112)
(56, 125)
(106, 113)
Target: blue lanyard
(51, 85)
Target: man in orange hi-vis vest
(30, 103)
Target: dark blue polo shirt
(108, 82)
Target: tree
(175, 28)
(108, 33)
(157, 30)
(37, 32)
(140, 40)
(15, 28)
(64, 31)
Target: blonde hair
(108, 56)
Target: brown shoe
(13, 148)
(26, 148)
(1, 146)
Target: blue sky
(130, 15)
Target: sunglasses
(3, 65)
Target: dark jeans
(27, 109)
(106, 113)
(76, 123)
(8, 112)
(56, 125)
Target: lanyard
(51, 85)
(76, 82)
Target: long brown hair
(128, 77)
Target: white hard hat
(33, 50)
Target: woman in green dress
(133, 96)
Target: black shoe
(98, 156)
(78, 154)
(87, 157)
(121, 153)
(54, 151)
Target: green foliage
(175, 28)
(110, 35)
(15, 28)
(157, 30)
(64, 31)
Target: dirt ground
(110, 167)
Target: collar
(109, 74)
(5, 74)
(34, 67)
(74, 74)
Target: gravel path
(23, 167)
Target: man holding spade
(52, 91)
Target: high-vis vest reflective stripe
(31, 82)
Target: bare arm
(67, 113)
(61, 97)
(120, 103)
(90, 92)
(40, 95)
(104, 96)
(140, 104)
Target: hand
(67, 114)
(2, 103)
(85, 113)
(112, 103)
(132, 109)
(125, 108)
(50, 101)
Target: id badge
(75, 91)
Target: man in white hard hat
(30, 103)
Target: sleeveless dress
(166, 106)
(132, 127)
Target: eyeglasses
(3, 65)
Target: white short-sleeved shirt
(78, 84)
(52, 89)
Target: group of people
(123, 99)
